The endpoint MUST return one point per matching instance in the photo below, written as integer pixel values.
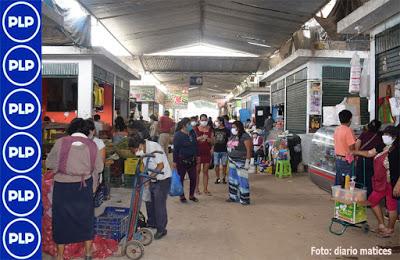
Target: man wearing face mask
(159, 188)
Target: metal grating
(60, 69)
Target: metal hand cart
(344, 222)
(138, 237)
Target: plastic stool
(283, 169)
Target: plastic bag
(364, 82)
(176, 188)
(355, 74)
(146, 196)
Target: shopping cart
(138, 237)
(350, 208)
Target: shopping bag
(176, 188)
(355, 74)
(146, 196)
(364, 81)
(395, 106)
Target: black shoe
(245, 203)
(230, 200)
(218, 181)
(160, 235)
(223, 181)
(194, 199)
(183, 199)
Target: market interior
(296, 63)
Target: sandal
(183, 199)
(384, 232)
(208, 193)
(194, 199)
(218, 181)
(223, 181)
(198, 192)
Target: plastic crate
(113, 223)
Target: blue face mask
(189, 127)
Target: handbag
(211, 164)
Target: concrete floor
(287, 217)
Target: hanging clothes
(385, 112)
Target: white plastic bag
(364, 82)
(355, 74)
(146, 196)
(329, 116)
(395, 106)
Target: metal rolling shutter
(335, 87)
(278, 93)
(296, 107)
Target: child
(344, 140)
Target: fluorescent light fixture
(203, 50)
(102, 38)
(259, 44)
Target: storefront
(387, 83)
(149, 100)
(86, 82)
(381, 20)
(306, 82)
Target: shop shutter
(296, 107)
(60, 70)
(278, 93)
(102, 75)
(335, 87)
(388, 64)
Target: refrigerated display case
(322, 158)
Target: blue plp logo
(21, 238)
(21, 109)
(21, 22)
(21, 202)
(21, 65)
(21, 152)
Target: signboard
(315, 123)
(196, 81)
(142, 93)
(177, 97)
(20, 169)
(315, 98)
(159, 97)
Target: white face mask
(139, 153)
(203, 123)
(388, 140)
(234, 131)
(193, 123)
(217, 124)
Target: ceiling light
(203, 50)
(259, 44)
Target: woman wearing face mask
(385, 182)
(159, 188)
(258, 142)
(204, 145)
(185, 154)
(239, 151)
(221, 138)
